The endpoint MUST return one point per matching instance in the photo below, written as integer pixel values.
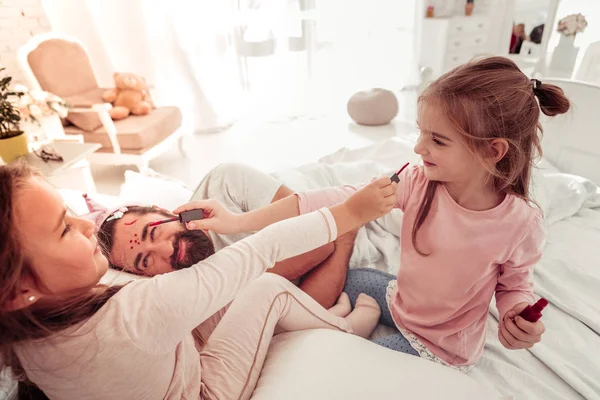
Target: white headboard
(572, 141)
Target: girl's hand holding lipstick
(516, 332)
(373, 201)
(217, 218)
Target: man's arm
(326, 282)
(297, 267)
(323, 270)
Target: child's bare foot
(365, 316)
(343, 307)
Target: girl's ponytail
(552, 98)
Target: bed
(566, 365)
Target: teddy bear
(130, 96)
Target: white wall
(74, 18)
(19, 21)
(591, 10)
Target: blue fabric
(374, 283)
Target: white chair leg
(181, 145)
(88, 178)
(143, 164)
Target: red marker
(395, 177)
(534, 312)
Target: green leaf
(9, 113)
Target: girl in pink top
(469, 229)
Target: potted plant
(13, 143)
(41, 113)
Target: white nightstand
(449, 42)
(71, 173)
(445, 42)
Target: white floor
(266, 146)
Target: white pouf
(373, 107)
(326, 364)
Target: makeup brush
(183, 217)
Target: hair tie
(536, 83)
(117, 214)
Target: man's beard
(198, 247)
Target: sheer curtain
(225, 60)
(307, 57)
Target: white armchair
(61, 65)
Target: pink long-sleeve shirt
(443, 298)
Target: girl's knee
(272, 284)
(271, 291)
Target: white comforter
(566, 365)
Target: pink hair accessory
(98, 213)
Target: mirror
(532, 25)
(530, 18)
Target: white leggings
(234, 354)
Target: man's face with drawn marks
(144, 250)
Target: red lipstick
(183, 217)
(534, 312)
(164, 221)
(395, 177)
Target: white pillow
(152, 188)
(539, 187)
(561, 195)
(75, 201)
(327, 364)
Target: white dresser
(446, 42)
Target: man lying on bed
(133, 246)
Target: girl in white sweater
(76, 339)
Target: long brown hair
(488, 99)
(30, 323)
